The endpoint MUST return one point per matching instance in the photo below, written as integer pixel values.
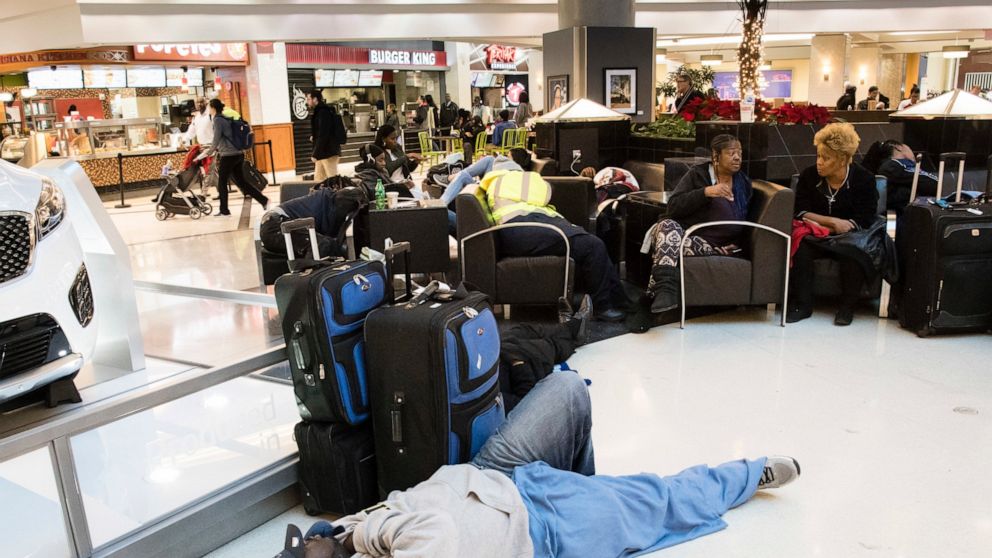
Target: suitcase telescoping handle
(916, 178)
(391, 253)
(288, 227)
(950, 157)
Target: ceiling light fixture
(697, 41)
(711, 59)
(956, 51)
(28, 92)
(911, 33)
(661, 56)
(765, 66)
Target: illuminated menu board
(153, 76)
(174, 77)
(104, 77)
(346, 78)
(324, 78)
(60, 78)
(370, 78)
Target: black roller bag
(434, 383)
(946, 253)
(337, 467)
(323, 305)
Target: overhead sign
(25, 60)
(401, 57)
(372, 58)
(499, 58)
(193, 52)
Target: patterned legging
(667, 237)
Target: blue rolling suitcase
(323, 305)
(434, 384)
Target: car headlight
(50, 210)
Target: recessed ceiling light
(911, 33)
(711, 59)
(956, 51)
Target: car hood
(19, 188)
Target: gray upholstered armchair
(517, 280)
(760, 278)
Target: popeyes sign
(192, 52)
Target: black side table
(425, 228)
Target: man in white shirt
(914, 97)
(201, 127)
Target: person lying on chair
(515, 194)
(714, 191)
(530, 491)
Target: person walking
(232, 159)
(327, 134)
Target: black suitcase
(946, 252)
(435, 384)
(323, 305)
(337, 467)
(253, 175)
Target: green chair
(509, 136)
(427, 149)
(480, 146)
(521, 138)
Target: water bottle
(380, 195)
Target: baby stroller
(177, 197)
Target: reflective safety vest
(514, 193)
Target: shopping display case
(103, 138)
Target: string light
(749, 52)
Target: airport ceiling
(42, 24)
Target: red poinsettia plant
(790, 113)
(701, 110)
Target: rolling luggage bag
(253, 175)
(323, 305)
(946, 251)
(434, 384)
(337, 467)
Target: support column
(827, 69)
(595, 13)
(268, 96)
(891, 72)
(458, 78)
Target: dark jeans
(595, 275)
(273, 240)
(852, 277)
(231, 168)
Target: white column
(535, 75)
(458, 78)
(268, 86)
(827, 61)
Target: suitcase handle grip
(297, 224)
(953, 156)
(396, 417)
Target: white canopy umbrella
(581, 110)
(954, 104)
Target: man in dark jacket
(449, 112)
(713, 191)
(685, 93)
(327, 136)
(329, 209)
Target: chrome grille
(16, 245)
(24, 352)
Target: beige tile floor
(894, 433)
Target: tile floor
(894, 433)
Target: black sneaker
(844, 317)
(797, 315)
(779, 471)
(579, 321)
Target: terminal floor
(894, 433)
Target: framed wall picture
(621, 90)
(557, 92)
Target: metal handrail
(694, 228)
(226, 295)
(99, 413)
(495, 228)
